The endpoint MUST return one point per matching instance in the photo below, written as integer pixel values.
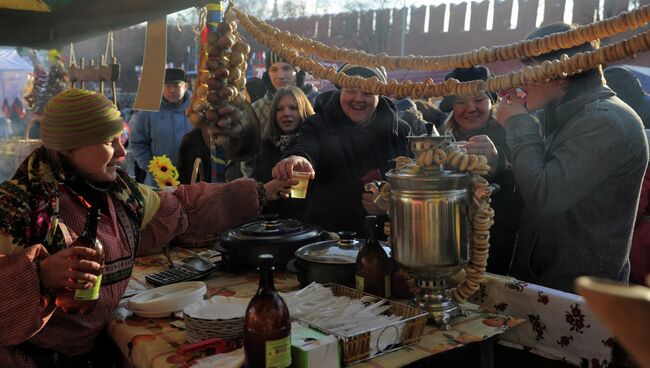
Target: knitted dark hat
(405, 104)
(174, 75)
(272, 58)
(625, 83)
(364, 71)
(466, 75)
(557, 28)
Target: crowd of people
(569, 154)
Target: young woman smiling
(291, 108)
(472, 123)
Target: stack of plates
(165, 300)
(217, 317)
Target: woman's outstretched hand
(278, 188)
(285, 168)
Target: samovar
(430, 227)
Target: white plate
(171, 298)
(217, 308)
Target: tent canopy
(11, 61)
(28, 23)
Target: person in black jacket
(349, 141)
(471, 121)
(289, 110)
(196, 144)
(628, 88)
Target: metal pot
(331, 261)
(280, 237)
(430, 227)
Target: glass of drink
(299, 191)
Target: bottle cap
(371, 221)
(265, 260)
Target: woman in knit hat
(471, 121)
(349, 142)
(45, 204)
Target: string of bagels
(292, 48)
(221, 81)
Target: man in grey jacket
(580, 178)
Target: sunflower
(165, 181)
(161, 165)
(163, 171)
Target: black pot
(330, 261)
(241, 246)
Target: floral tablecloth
(558, 325)
(153, 342)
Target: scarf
(282, 142)
(29, 203)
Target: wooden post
(114, 84)
(82, 84)
(101, 82)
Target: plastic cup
(299, 191)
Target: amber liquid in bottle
(267, 325)
(373, 269)
(83, 300)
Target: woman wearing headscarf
(471, 121)
(44, 205)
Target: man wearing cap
(348, 143)
(580, 180)
(161, 133)
(278, 74)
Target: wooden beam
(80, 20)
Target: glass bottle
(83, 300)
(373, 269)
(267, 325)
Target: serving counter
(555, 325)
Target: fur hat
(466, 75)
(174, 75)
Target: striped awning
(29, 5)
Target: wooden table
(153, 342)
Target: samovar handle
(381, 191)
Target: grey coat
(580, 187)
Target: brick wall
(352, 30)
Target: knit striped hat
(77, 118)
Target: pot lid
(343, 251)
(272, 229)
